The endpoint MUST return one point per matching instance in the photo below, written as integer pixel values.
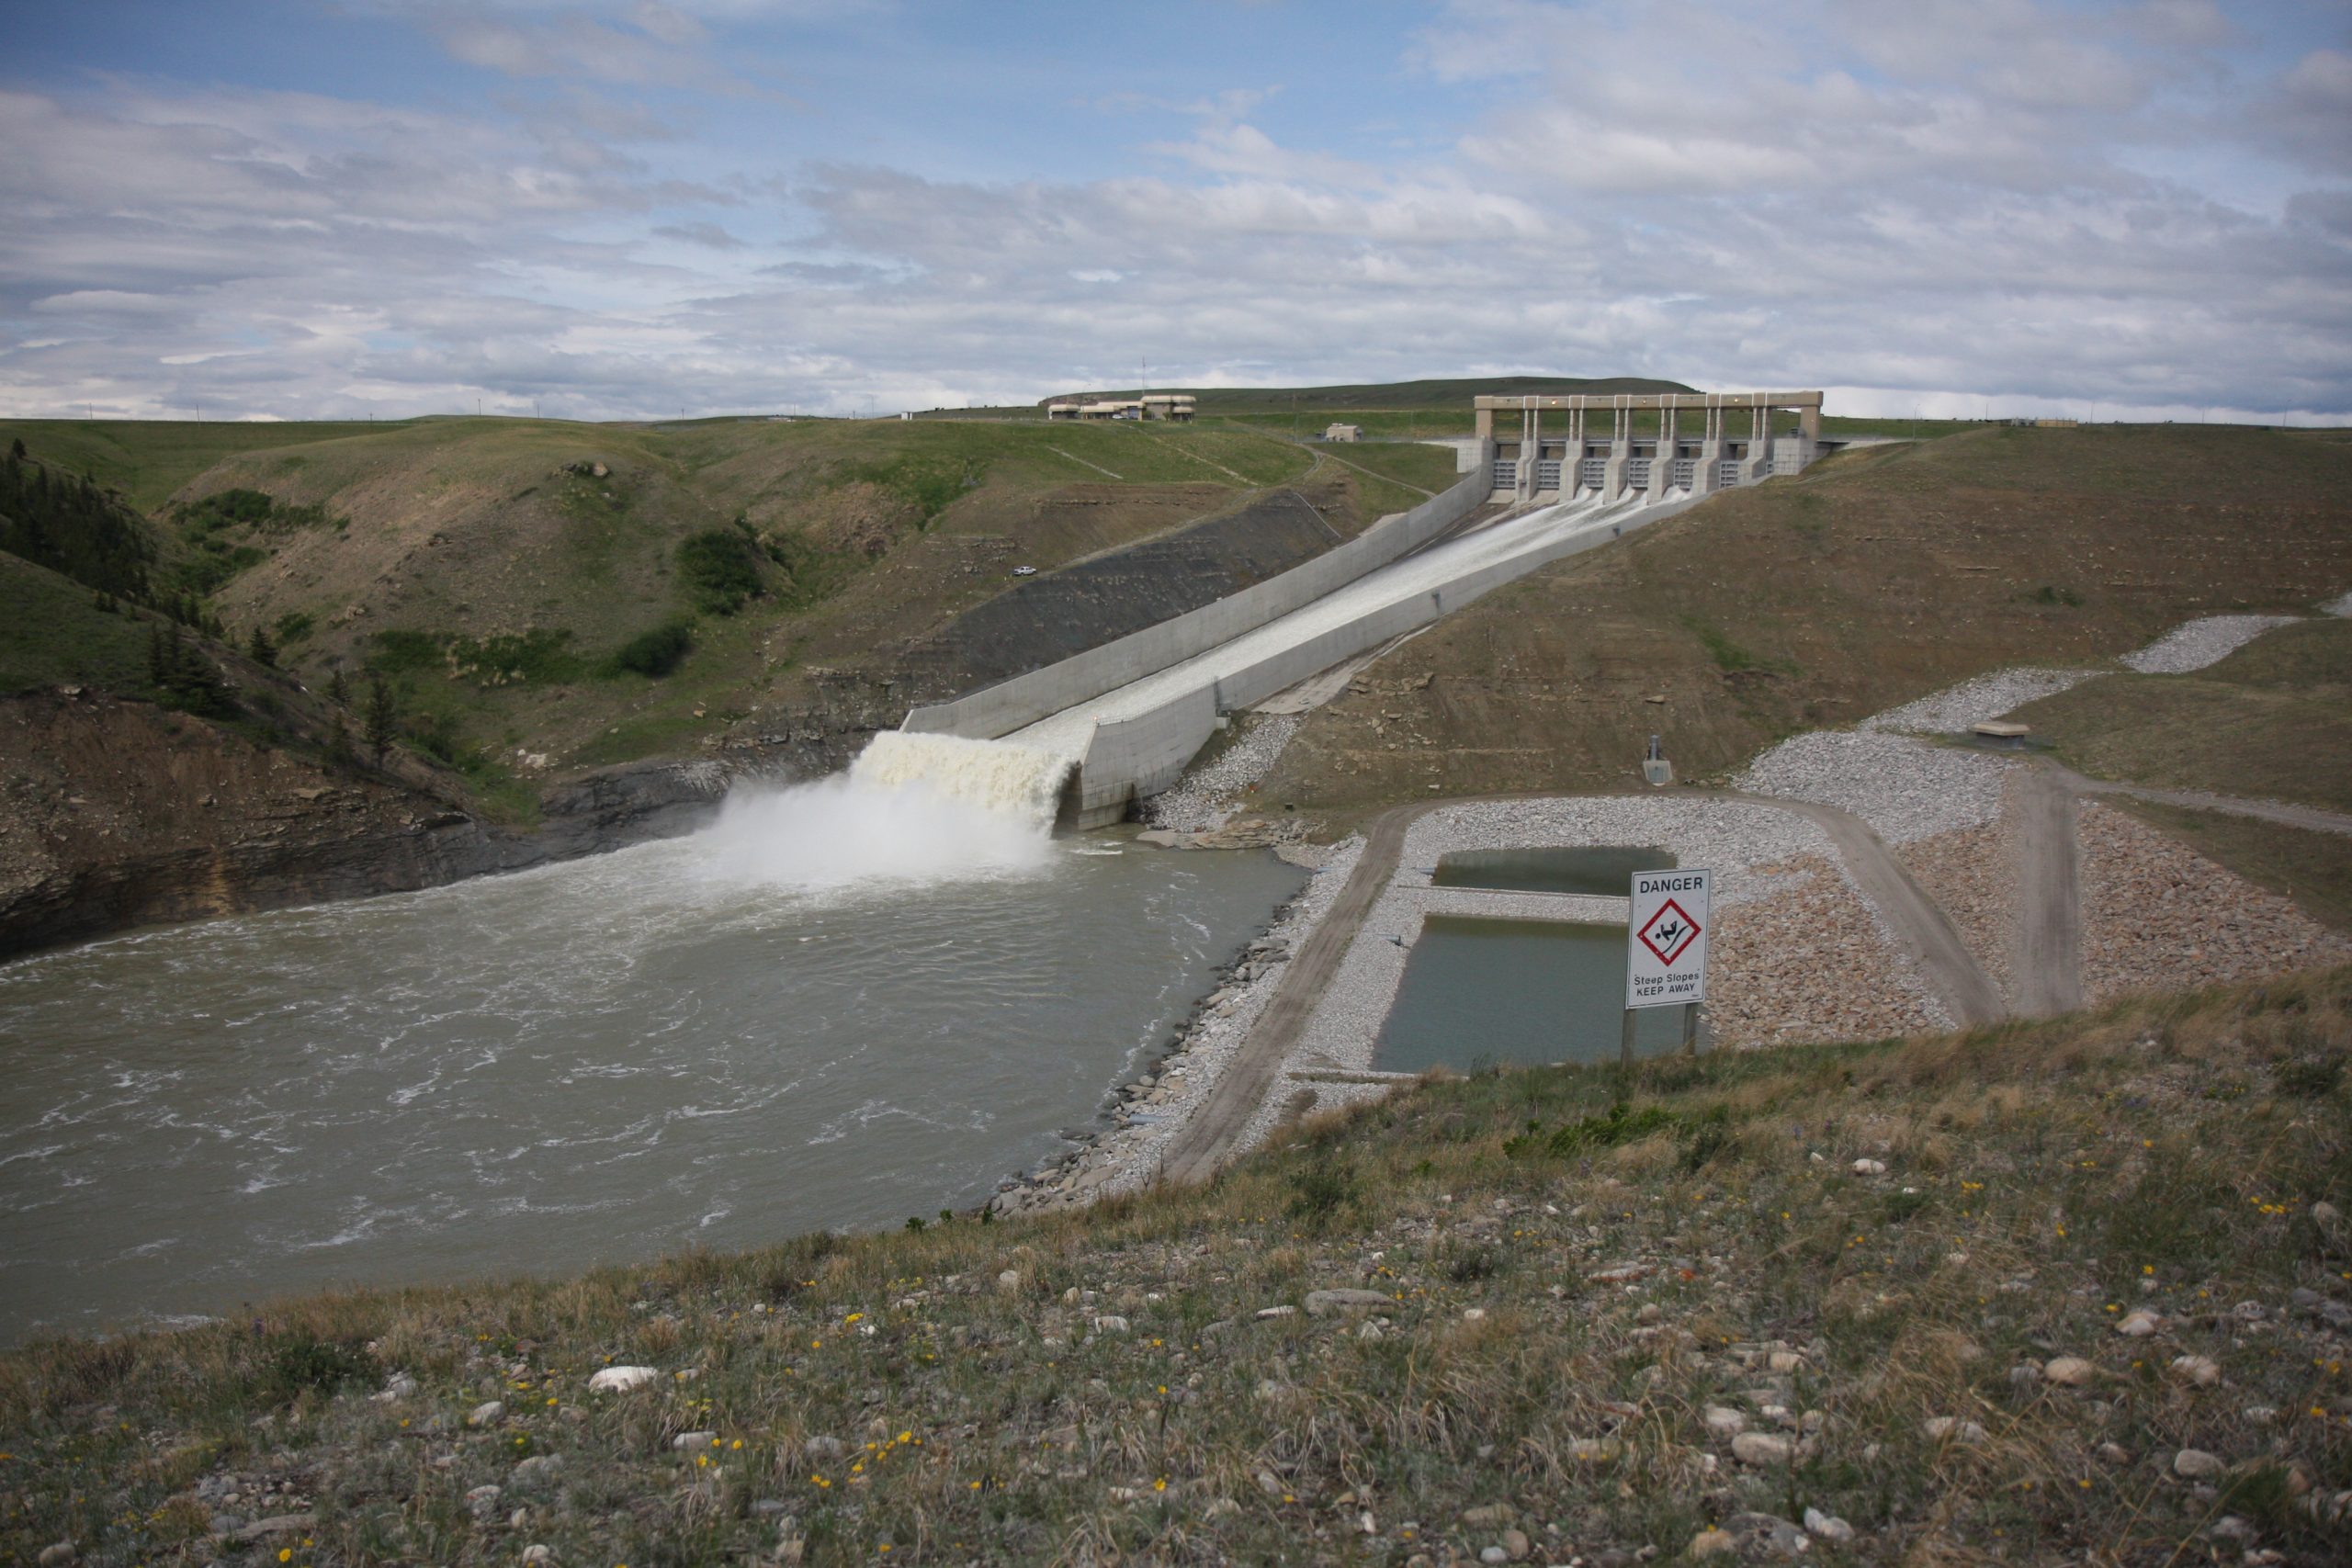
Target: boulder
(620, 1379)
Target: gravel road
(2046, 868)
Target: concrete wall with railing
(1144, 754)
(1006, 706)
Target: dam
(1543, 483)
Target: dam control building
(1558, 447)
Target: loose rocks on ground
(2200, 643)
(2158, 916)
(1904, 789)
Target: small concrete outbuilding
(1344, 433)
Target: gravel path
(1955, 709)
(2196, 644)
(1205, 797)
(2158, 916)
(1906, 789)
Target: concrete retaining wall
(1006, 706)
(1147, 754)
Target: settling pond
(826, 1012)
(1485, 992)
(1481, 993)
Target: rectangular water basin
(1480, 993)
(1601, 870)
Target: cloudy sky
(637, 206)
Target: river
(834, 1008)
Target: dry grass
(1565, 1310)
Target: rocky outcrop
(116, 813)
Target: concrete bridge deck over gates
(1127, 718)
(1736, 443)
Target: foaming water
(844, 1003)
(845, 832)
(1018, 782)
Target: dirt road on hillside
(2278, 811)
(2047, 969)
(1212, 1135)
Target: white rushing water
(843, 1003)
(1020, 784)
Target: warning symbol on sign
(1669, 931)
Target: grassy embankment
(1581, 1285)
(525, 602)
(2273, 721)
(1873, 578)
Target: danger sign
(1666, 950)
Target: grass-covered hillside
(1876, 576)
(586, 594)
(2075, 1291)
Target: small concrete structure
(1177, 406)
(1529, 461)
(1344, 433)
(2000, 732)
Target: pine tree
(382, 716)
(259, 649)
(339, 754)
(157, 657)
(338, 691)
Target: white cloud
(1922, 205)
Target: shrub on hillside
(241, 508)
(657, 652)
(720, 567)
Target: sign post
(1665, 948)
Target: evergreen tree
(259, 649)
(382, 717)
(339, 753)
(338, 691)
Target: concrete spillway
(1134, 734)
(1066, 734)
